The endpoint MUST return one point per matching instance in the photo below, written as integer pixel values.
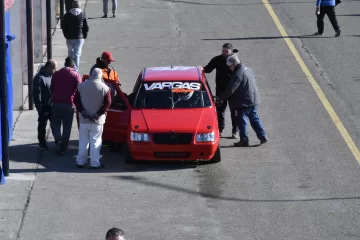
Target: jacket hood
(43, 72)
(179, 120)
(75, 11)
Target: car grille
(172, 154)
(172, 138)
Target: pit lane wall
(9, 38)
(18, 50)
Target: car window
(117, 102)
(172, 95)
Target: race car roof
(176, 73)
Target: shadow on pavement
(227, 4)
(50, 161)
(150, 183)
(267, 38)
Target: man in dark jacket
(223, 75)
(243, 98)
(75, 29)
(42, 99)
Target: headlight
(205, 137)
(139, 137)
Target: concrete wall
(38, 43)
(18, 28)
(19, 45)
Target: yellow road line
(334, 117)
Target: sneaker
(241, 144)
(63, 149)
(105, 16)
(221, 133)
(318, 34)
(337, 34)
(234, 136)
(114, 15)
(98, 167)
(264, 140)
(43, 146)
(79, 166)
(59, 146)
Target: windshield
(172, 95)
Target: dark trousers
(255, 122)
(330, 12)
(221, 117)
(44, 116)
(62, 114)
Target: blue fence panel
(9, 37)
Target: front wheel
(128, 158)
(217, 157)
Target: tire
(217, 157)
(128, 158)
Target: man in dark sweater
(244, 97)
(63, 88)
(42, 99)
(75, 29)
(223, 75)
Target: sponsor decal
(175, 86)
(171, 68)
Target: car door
(117, 119)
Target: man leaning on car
(244, 98)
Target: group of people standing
(58, 94)
(236, 87)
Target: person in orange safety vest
(104, 63)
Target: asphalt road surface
(303, 184)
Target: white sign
(171, 68)
(171, 85)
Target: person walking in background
(42, 99)
(223, 75)
(326, 7)
(106, 7)
(75, 29)
(244, 98)
(115, 234)
(63, 87)
(92, 100)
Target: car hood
(179, 120)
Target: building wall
(19, 45)
(17, 50)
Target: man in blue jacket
(326, 7)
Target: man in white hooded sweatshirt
(92, 100)
(75, 29)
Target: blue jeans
(255, 122)
(74, 50)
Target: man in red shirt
(63, 88)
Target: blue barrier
(9, 38)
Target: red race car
(170, 115)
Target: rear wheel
(217, 157)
